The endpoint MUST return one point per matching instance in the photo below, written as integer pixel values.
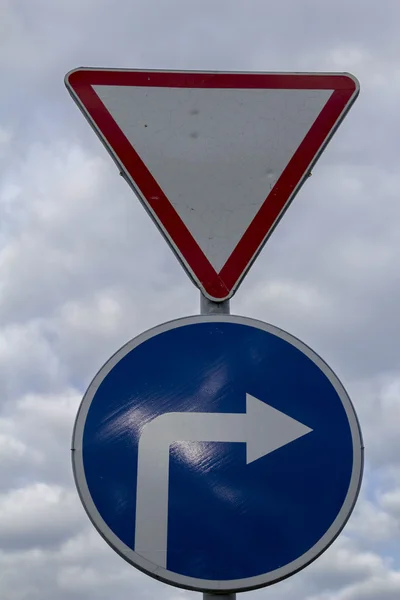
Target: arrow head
(268, 429)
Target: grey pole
(207, 596)
(208, 307)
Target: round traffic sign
(217, 453)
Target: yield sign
(215, 158)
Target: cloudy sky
(83, 269)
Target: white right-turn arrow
(262, 427)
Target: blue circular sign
(217, 453)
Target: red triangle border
(216, 286)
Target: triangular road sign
(215, 158)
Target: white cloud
(346, 565)
(390, 500)
(378, 401)
(26, 360)
(37, 515)
(5, 138)
(372, 523)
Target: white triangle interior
(215, 153)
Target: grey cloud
(38, 516)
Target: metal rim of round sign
(192, 583)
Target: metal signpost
(216, 453)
